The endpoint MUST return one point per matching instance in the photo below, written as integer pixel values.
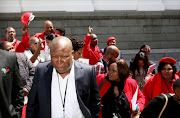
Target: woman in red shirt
(118, 92)
(162, 82)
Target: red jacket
(42, 36)
(91, 53)
(178, 73)
(130, 87)
(20, 46)
(155, 86)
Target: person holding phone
(118, 91)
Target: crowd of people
(49, 75)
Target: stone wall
(160, 30)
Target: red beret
(110, 38)
(168, 60)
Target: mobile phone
(137, 107)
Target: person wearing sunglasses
(36, 54)
(155, 106)
(162, 82)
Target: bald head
(112, 52)
(48, 27)
(33, 40)
(61, 55)
(61, 42)
(47, 22)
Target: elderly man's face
(61, 57)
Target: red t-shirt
(20, 46)
(91, 53)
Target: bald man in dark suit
(62, 74)
(11, 86)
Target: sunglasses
(36, 43)
(10, 49)
(94, 38)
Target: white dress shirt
(72, 109)
(41, 58)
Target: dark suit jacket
(39, 100)
(11, 87)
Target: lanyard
(63, 102)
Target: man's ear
(73, 52)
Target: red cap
(110, 38)
(26, 18)
(168, 60)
